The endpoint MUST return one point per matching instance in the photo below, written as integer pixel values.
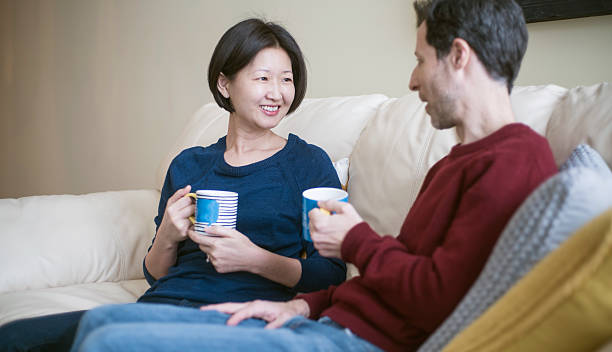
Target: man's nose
(413, 84)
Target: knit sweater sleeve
(318, 301)
(426, 288)
(177, 176)
(313, 168)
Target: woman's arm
(172, 230)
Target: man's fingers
(239, 316)
(278, 322)
(227, 308)
(317, 218)
(332, 205)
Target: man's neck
(485, 113)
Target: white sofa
(72, 252)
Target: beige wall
(93, 92)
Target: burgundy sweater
(408, 285)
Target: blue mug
(310, 197)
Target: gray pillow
(584, 155)
(555, 210)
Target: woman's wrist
(164, 240)
(275, 267)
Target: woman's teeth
(269, 108)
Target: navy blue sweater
(269, 213)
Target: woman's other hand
(228, 250)
(175, 223)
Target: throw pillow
(342, 169)
(584, 155)
(564, 304)
(556, 209)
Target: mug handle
(194, 196)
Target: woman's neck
(244, 148)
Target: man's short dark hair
(241, 43)
(495, 29)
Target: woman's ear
(222, 85)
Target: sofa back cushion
(584, 115)
(399, 146)
(333, 124)
(62, 240)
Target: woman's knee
(105, 338)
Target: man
(468, 55)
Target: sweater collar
(230, 170)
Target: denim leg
(140, 313)
(45, 333)
(182, 329)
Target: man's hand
(275, 313)
(328, 231)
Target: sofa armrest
(61, 240)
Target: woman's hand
(175, 223)
(171, 231)
(228, 250)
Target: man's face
(431, 79)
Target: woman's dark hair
(495, 29)
(241, 43)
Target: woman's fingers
(178, 195)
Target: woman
(258, 74)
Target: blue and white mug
(214, 207)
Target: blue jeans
(54, 332)
(49, 333)
(145, 327)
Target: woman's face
(262, 92)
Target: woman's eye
(262, 78)
(287, 79)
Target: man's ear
(222, 85)
(459, 54)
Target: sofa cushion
(399, 146)
(584, 115)
(534, 105)
(556, 209)
(390, 161)
(62, 240)
(333, 124)
(564, 304)
(585, 156)
(43, 301)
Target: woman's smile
(270, 110)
